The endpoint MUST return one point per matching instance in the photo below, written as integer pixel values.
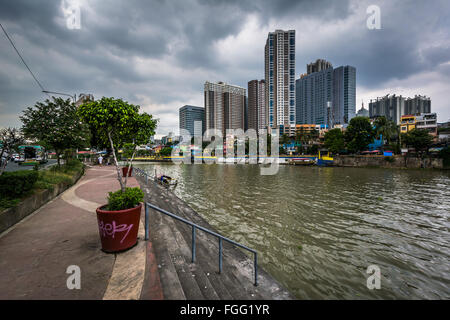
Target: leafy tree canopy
(118, 123)
(56, 124)
(119, 120)
(10, 139)
(334, 140)
(387, 128)
(359, 134)
(419, 139)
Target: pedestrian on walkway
(100, 160)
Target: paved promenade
(35, 253)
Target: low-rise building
(426, 121)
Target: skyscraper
(417, 105)
(314, 92)
(224, 106)
(325, 95)
(280, 78)
(344, 94)
(393, 107)
(256, 105)
(188, 116)
(390, 106)
(318, 66)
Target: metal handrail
(194, 228)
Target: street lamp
(74, 97)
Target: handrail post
(193, 244)
(146, 221)
(194, 229)
(256, 268)
(220, 255)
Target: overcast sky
(158, 54)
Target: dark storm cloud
(163, 51)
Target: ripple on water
(318, 229)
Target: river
(318, 229)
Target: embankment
(388, 162)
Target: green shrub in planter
(128, 199)
(16, 184)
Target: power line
(17, 51)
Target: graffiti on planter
(110, 229)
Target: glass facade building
(188, 116)
(313, 94)
(344, 94)
(325, 95)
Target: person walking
(100, 160)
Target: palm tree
(386, 128)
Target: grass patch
(47, 180)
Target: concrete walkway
(36, 252)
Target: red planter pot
(118, 229)
(125, 171)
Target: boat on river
(324, 161)
(165, 180)
(301, 161)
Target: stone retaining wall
(383, 162)
(11, 216)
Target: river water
(317, 230)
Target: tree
(56, 125)
(419, 139)
(165, 152)
(117, 123)
(301, 137)
(334, 140)
(285, 139)
(359, 134)
(386, 128)
(10, 139)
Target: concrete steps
(182, 279)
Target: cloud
(158, 54)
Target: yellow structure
(407, 123)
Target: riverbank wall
(388, 162)
(183, 279)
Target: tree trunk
(129, 166)
(2, 165)
(119, 176)
(57, 158)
